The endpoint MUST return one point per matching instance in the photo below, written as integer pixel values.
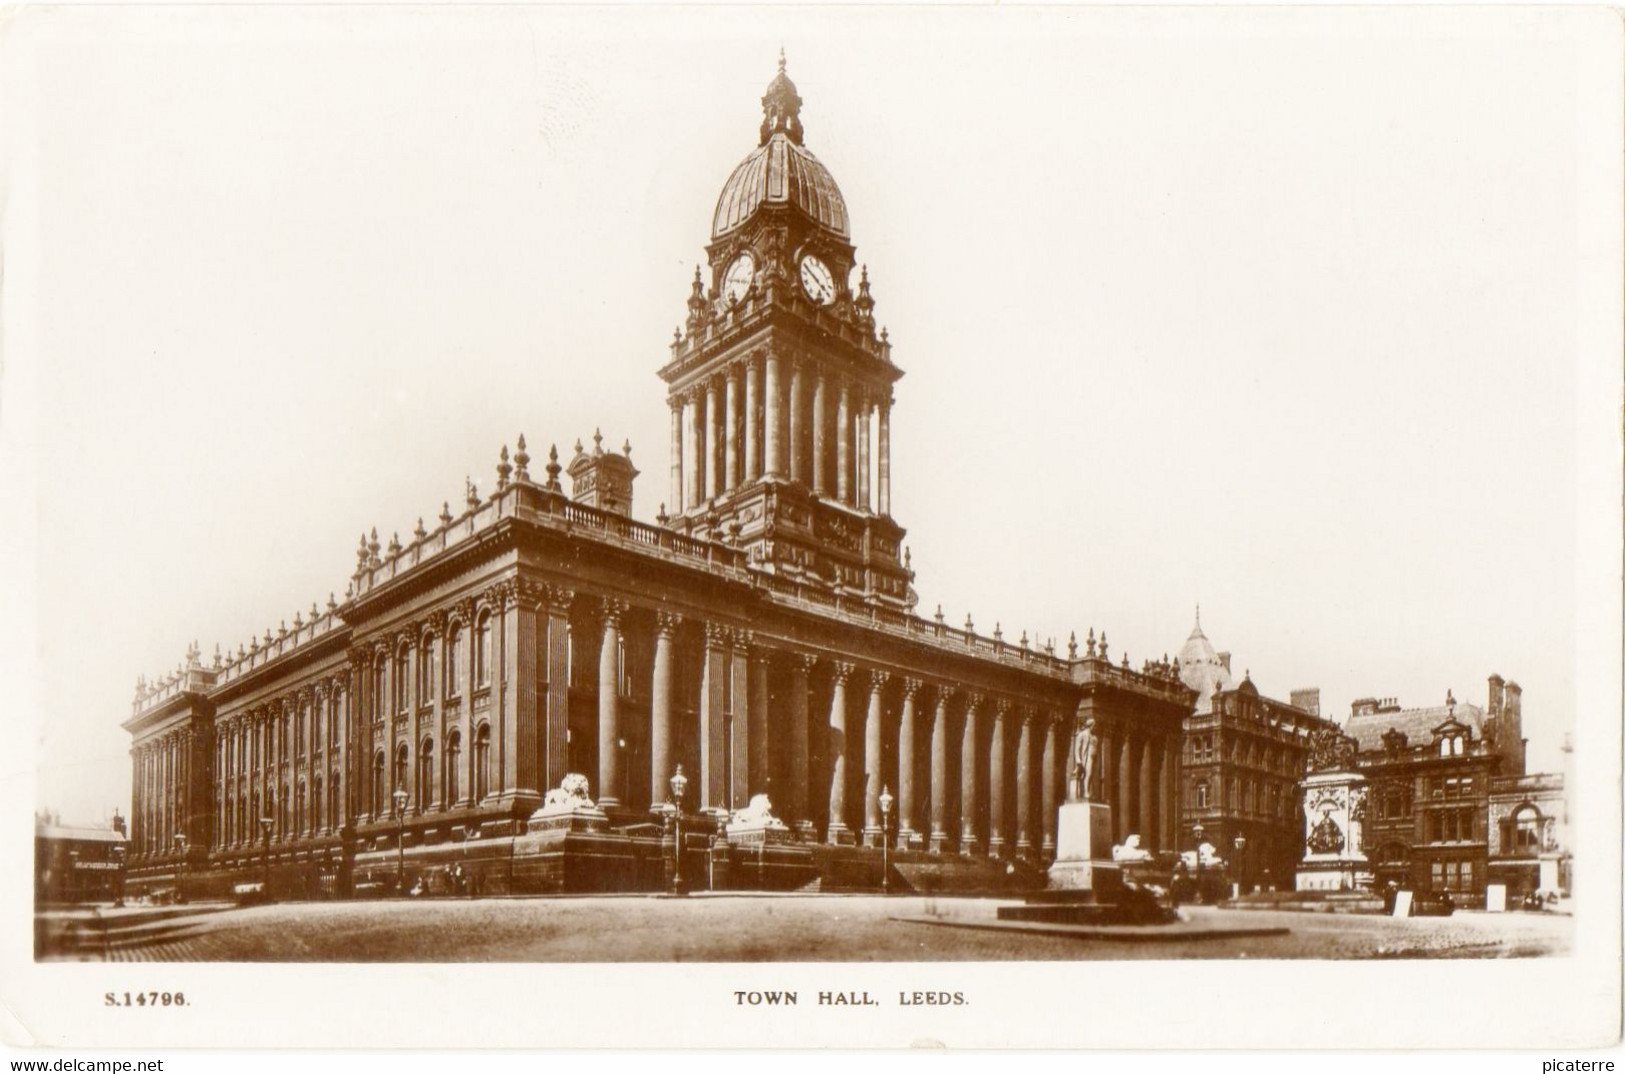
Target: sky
(1275, 312)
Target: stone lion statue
(758, 814)
(570, 794)
(1130, 850)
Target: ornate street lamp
(885, 841)
(679, 788)
(1241, 845)
(180, 867)
(1198, 831)
(265, 830)
(400, 840)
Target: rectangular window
(1438, 876)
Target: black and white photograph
(854, 525)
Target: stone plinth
(1334, 837)
(1083, 848)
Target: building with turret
(507, 696)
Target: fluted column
(1048, 804)
(795, 745)
(939, 773)
(873, 773)
(609, 706)
(1024, 786)
(773, 387)
(839, 749)
(713, 791)
(753, 420)
(863, 454)
(1123, 812)
(1167, 780)
(660, 707)
(996, 782)
(1148, 795)
(906, 805)
(730, 436)
(969, 765)
(739, 722)
(798, 424)
(675, 496)
(556, 748)
(883, 449)
(843, 444)
(760, 776)
(713, 472)
(820, 448)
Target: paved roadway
(793, 929)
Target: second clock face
(738, 278)
(818, 281)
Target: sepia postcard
(867, 527)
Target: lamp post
(118, 861)
(180, 867)
(265, 831)
(1241, 845)
(1198, 831)
(400, 840)
(885, 842)
(679, 788)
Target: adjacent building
(1244, 757)
(763, 637)
(77, 862)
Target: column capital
(613, 609)
(666, 623)
(716, 636)
(946, 694)
(734, 372)
(911, 686)
(435, 621)
(740, 638)
(1002, 707)
(878, 680)
(842, 669)
(804, 662)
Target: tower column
(843, 444)
(1124, 807)
(760, 779)
(609, 706)
(660, 707)
(798, 425)
(883, 449)
(676, 493)
(1024, 786)
(730, 436)
(775, 416)
(713, 472)
(713, 720)
(872, 771)
(906, 835)
(739, 724)
(839, 749)
(1167, 780)
(692, 402)
(995, 779)
(863, 453)
(820, 419)
(753, 421)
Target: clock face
(819, 283)
(738, 278)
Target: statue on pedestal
(1085, 763)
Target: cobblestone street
(799, 929)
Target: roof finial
(781, 107)
(1198, 615)
(781, 59)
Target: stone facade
(762, 636)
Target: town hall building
(761, 639)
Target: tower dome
(780, 171)
(1202, 668)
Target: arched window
(426, 774)
(378, 681)
(335, 798)
(454, 758)
(482, 762)
(426, 670)
(454, 660)
(401, 757)
(316, 798)
(482, 650)
(299, 809)
(1526, 829)
(378, 784)
(402, 682)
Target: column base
(806, 831)
(967, 844)
(909, 839)
(872, 837)
(995, 847)
(839, 835)
(1047, 849)
(938, 842)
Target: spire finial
(781, 107)
(781, 59)
(1198, 615)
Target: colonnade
(161, 771)
(769, 415)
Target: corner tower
(779, 384)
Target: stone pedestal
(1334, 822)
(1083, 849)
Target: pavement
(800, 928)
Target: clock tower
(779, 384)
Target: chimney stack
(1307, 699)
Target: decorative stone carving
(572, 794)
(1085, 763)
(1130, 850)
(1326, 837)
(1331, 751)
